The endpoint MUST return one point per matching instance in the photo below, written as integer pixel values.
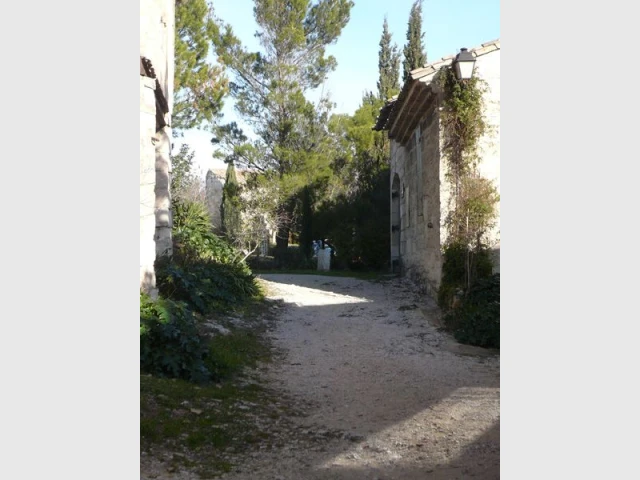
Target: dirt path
(385, 394)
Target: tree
(199, 86)
(185, 184)
(388, 65)
(270, 87)
(306, 232)
(359, 195)
(230, 210)
(414, 52)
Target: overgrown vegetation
(198, 423)
(468, 292)
(204, 275)
(170, 344)
(476, 321)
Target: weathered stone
(420, 191)
(157, 47)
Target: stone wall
(157, 45)
(489, 69)
(417, 165)
(157, 29)
(147, 184)
(424, 192)
(213, 186)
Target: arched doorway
(395, 224)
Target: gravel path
(386, 395)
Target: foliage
(185, 184)
(477, 320)
(293, 259)
(362, 235)
(199, 86)
(454, 271)
(414, 54)
(388, 65)
(230, 209)
(472, 209)
(170, 345)
(359, 192)
(259, 200)
(203, 275)
(205, 272)
(203, 438)
(206, 286)
(306, 233)
(269, 88)
(468, 291)
(462, 120)
(194, 240)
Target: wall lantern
(463, 64)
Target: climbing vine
(472, 208)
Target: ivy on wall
(466, 270)
(472, 209)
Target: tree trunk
(282, 236)
(307, 214)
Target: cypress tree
(230, 208)
(388, 65)
(414, 52)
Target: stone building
(156, 100)
(419, 190)
(214, 183)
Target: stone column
(147, 185)
(164, 222)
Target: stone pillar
(147, 185)
(163, 195)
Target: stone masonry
(419, 190)
(156, 101)
(214, 183)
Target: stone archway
(396, 224)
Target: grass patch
(230, 354)
(201, 423)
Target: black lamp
(463, 64)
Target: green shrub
(170, 344)
(476, 321)
(454, 274)
(358, 226)
(261, 262)
(292, 259)
(194, 240)
(205, 272)
(206, 286)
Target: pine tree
(388, 65)
(270, 87)
(414, 52)
(199, 86)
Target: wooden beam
(413, 117)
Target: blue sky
(448, 25)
